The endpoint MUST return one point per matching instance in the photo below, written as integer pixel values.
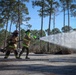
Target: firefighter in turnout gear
(26, 44)
(12, 44)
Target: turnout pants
(8, 53)
(9, 48)
(23, 50)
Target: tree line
(51, 8)
(15, 12)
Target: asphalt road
(38, 64)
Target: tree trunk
(64, 17)
(10, 27)
(68, 18)
(6, 33)
(19, 23)
(49, 28)
(41, 24)
(54, 21)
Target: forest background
(42, 17)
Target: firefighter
(26, 44)
(12, 44)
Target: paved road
(38, 64)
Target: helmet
(27, 31)
(15, 32)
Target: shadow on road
(60, 70)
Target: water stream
(63, 39)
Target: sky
(35, 20)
